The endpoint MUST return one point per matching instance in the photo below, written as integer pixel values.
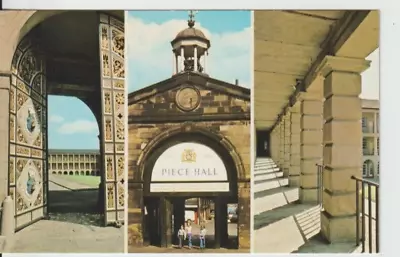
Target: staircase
(271, 189)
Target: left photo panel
(62, 131)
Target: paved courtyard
(74, 225)
(232, 232)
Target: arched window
(368, 169)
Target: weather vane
(191, 20)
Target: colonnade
(323, 126)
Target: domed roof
(190, 33)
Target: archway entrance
(186, 169)
(78, 54)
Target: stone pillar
(310, 145)
(166, 222)
(179, 216)
(244, 213)
(195, 58)
(294, 170)
(182, 59)
(205, 62)
(274, 145)
(286, 164)
(281, 143)
(174, 68)
(342, 145)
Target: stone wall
(218, 113)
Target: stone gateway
(189, 138)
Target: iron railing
(320, 182)
(363, 215)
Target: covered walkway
(307, 87)
(285, 225)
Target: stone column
(310, 145)
(342, 145)
(182, 59)
(195, 58)
(281, 143)
(274, 145)
(294, 170)
(286, 164)
(174, 68)
(166, 210)
(244, 213)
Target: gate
(113, 123)
(27, 177)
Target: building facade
(370, 132)
(189, 137)
(74, 162)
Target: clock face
(188, 98)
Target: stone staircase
(271, 189)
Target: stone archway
(36, 71)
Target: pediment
(189, 97)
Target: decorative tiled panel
(112, 53)
(28, 133)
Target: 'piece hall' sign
(186, 164)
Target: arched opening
(76, 173)
(92, 173)
(59, 173)
(54, 172)
(56, 95)
(368, 169)
(82, 173)
(190, 177)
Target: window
(377, 145)
(377, 169)
(364, 146)
(364, 124)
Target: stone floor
(282, 225)
(74, 225)
(232, 232)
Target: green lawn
(92, 181)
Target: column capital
(342, 64)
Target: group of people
(185, 232)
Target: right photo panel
(316, 125)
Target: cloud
(78, 126)
(151, 60)
(56, 119)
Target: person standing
(181, 236)
(189, 234)
(202, 237)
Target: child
(189, 233)
(202, 237)
(181, 236)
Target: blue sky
(71, 123)
(149, 34)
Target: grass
(92, 181)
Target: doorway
(164, 216)
(263, 143)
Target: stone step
(268, 177)
(270, 184)
(274, 198)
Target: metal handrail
(362, 213)
(320, 169)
